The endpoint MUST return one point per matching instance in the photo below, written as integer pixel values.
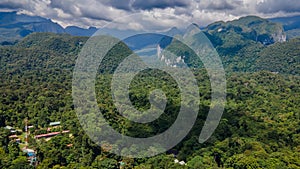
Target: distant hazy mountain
(288, 23)
(13, 26)
(137, 40)
(77, 31)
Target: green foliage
(294, 33)
(259, 128)
(280, 57)
(108, 163)
(249, 28)
(20, 163)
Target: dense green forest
(248, 44)
(260, 127)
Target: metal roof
(54, 123)
(50, 134)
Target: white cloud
(98, 13)
(273, 6)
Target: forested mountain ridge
(250, 27)
(284, 57)
(248, 44)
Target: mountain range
(14, 26)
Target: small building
(50, 134)
(182, 163)
(29, 152)
(176, 161)
(9, 128)
(51, 128)
(57, 123)
(13, 137)
(69, 145)
(31, 155)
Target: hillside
(248, 44)
(247, 28)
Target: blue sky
(85, 13)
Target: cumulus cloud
(221, 5)
(162, 4)
(89, 9)
(124, 4)
(273, 6)
(152, 13)
(15, 5)
(10, 5)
